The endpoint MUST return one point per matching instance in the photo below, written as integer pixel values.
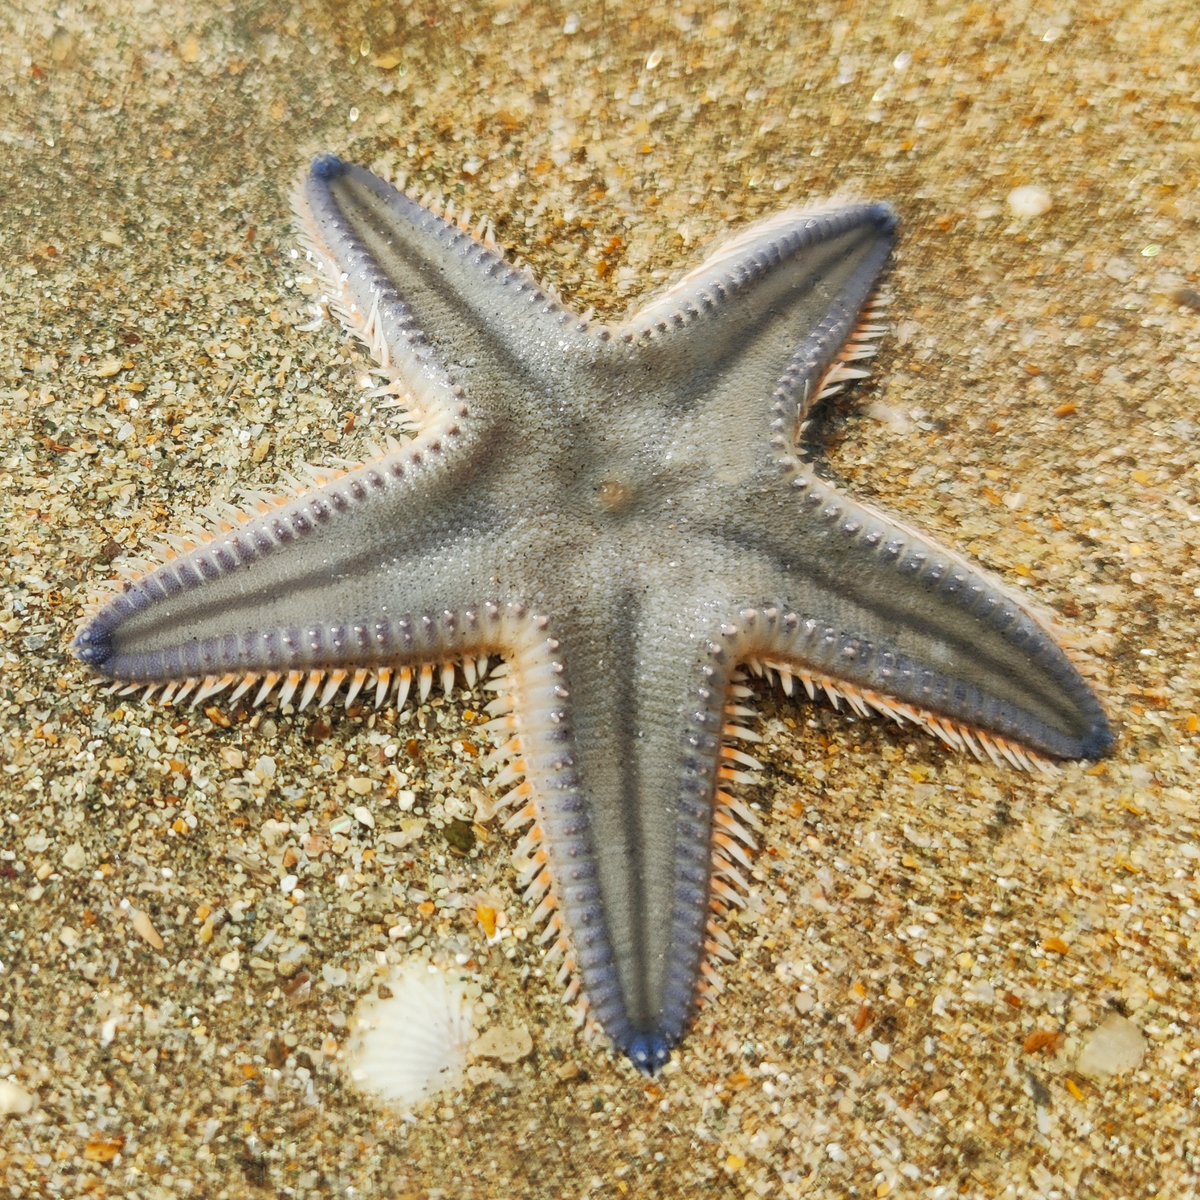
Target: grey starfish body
(621, 515)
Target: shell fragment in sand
(144, 928)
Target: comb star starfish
(620, 513)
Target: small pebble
(144, 928)
(982, 992)
(362, 814)
(273, 831)
(334, 976)
(411, 829)
(14, 1101)
(1029, 201)
(508, 1045)
(75, 858)
(361, 787)
(1120, 269)
(1115, 1046)
(486, 916)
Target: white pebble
(508, 1045)
(1120, 269)
(1116, 1045)
(364, 816)
(981, 992)
(75, 858)
(1029, 201)
(14, 1100)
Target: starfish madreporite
(620, 513)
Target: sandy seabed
(952, 980)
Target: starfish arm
(755, 329)
(344, 575)
(443, 312)
(860, 600)
(647, 683)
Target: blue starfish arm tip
(92, 645)
(1098, 741)
(649, 1051)
(327, 166)
(886, 217)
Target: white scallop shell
(413, 1044)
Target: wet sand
(940, 957)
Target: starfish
(622, 514)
